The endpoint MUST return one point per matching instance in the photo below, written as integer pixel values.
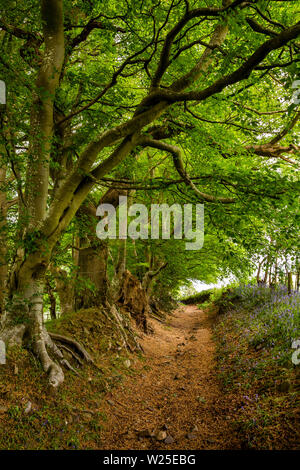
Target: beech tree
(90, 84)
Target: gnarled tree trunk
(92, 269)
(24, 315)
(52, 299)
(64, 286)
(92, 259)
(133, 298)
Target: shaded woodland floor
(190, 389)
(176, 403)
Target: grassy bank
(198, 298)
(31, 417)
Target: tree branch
(243, 72)
(178, 163)
(89, 27)
(189, 15)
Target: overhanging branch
(177, 160)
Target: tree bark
(92, 259)
(27, 280)
(92, 272)
(260, 265)
(150, 275)
(52, 300)
(290, 282)
(133, 298)
(266, 271)
(65, 290)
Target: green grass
(197, 298)
(254, 337)
(59, 421)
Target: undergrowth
(254, 355)
(33, 418)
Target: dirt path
(176, 390)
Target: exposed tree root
(156, 312)
(55, 372)
(51, 348)
(16, 335)
(72, 353)
(80, 351)
(68, 366)
(72, 342)
(126, 334)
(58, 353)
(43, 344)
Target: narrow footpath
(174, 401)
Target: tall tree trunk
(266, 272)
(133, 298)
(27, 279)
(290, 282)
(65, 289)
(93, 259)
(260, 265)
(75, 250)
(150, 276)
(275, 276)
(92, 264)
(122, 257)
(52, 300)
